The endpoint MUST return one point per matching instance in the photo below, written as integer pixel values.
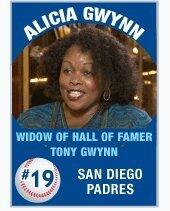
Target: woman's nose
(75, 79)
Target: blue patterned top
(116, 116)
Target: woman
(93, 80)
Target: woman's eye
(88, 73)
(67, 70)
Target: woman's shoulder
(128, 116)
(37, 116)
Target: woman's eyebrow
(67, 61)
(90, 62)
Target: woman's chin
(74, 106)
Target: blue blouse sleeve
(36, 117)
(128, 116)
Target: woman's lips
(75, 94)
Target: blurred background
(28, 81)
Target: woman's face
(80, 90)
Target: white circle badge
(37, 180)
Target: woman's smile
(75, 94)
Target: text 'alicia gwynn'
(60, 17)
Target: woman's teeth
(75, 93)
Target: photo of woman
(93, 80)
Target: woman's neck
(77, 119)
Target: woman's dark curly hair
(110, 59)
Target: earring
(107, 94)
